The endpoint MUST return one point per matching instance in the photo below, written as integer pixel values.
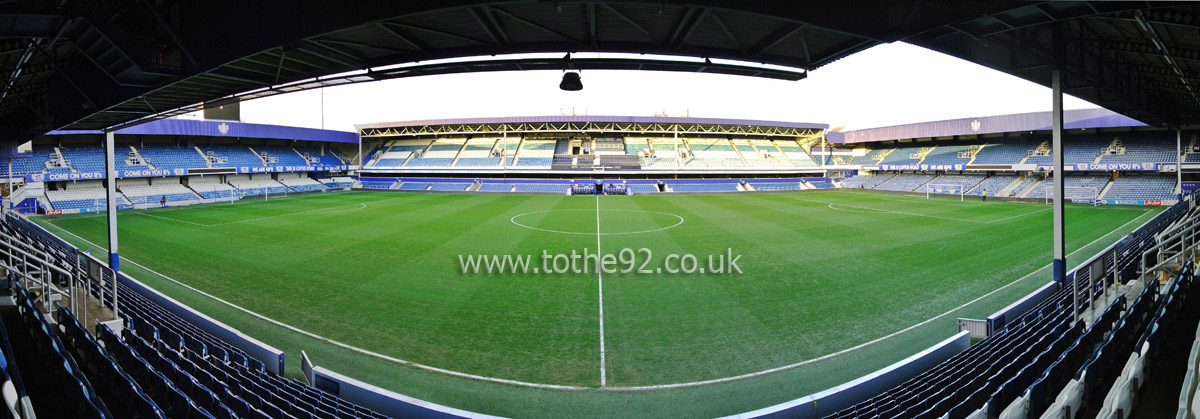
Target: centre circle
(583, 221)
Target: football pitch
(813, 288)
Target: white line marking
(603, 386)
(172, 219)
(361, 206)
(600, 283)
(328, 340)
(876, 340)
(831, 206)
(515, 217)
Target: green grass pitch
(822, 272)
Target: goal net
(944, 189)
(1076, 194)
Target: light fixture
(571, 82)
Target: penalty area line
(575, 388)
(331, 341)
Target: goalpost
(1091, 194)
(945, 189)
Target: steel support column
(110, 168)
(1056, 117)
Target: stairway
(203, 156)
(142, 158)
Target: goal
(945, 189)
(1076, 194)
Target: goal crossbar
(1074, 193)
(945, 189)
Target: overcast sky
(885, 85)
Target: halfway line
(600, 282)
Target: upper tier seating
(947, 154)
(1143, 150)
(905, 182)
(171, 157)
(543, 162)
(902, 155)
(87, 158)
(1003, 153)
(283, 156)
(477, 162)
(429, 162)
(233, 156)
(328, 159)
(1142, 188)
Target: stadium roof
(94, 65)
(1034, 121)
(594, 118)
(228, 129)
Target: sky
(886, 85)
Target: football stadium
(165, 257)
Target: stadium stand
(300, 183)
(159, 365)
(949, 154)
(446, 186)
(27, 163)
(1142, 188)
(496, 187)
(139, 192)
(1074, 183)
(1082, 149)
(281, 156)
(85, 158)
(904, 155)
(89, 196)
(1141, 149)
(377, 184)
(231, 156)
(775, 186)
(314, 156)
(642, 188)
(966, 182)
(338, 182)
(1035, 356)
(704, 187)
(541, 187)
(905, 182)
(211, 188)
(414, 186)
(535, 153)
(1003, 153)
(56, 362)
(993, 185)
(255, 187)
(170, 157)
